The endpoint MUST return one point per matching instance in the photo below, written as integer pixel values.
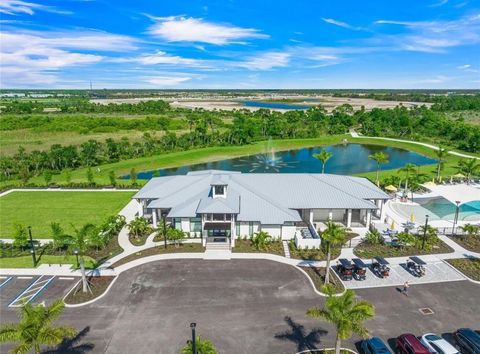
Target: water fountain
(266, 162)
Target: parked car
(468, 340)
(409, 344)
(374, 345)
(437, 345)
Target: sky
(240, 44)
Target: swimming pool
(442, 209)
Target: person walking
(406, 285)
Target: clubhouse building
(219, 206)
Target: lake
(347, 159)
(274, 105)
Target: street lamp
(32, 247)
(425, 232)
(194, 343)
(76, 255)
(455, 220)
(164, 230)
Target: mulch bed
(182, 248)
(468, 266)
(98, 285)
(245, 246)
(365, 250)
(471, 243)
(317, 274)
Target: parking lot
(16, 290)
(437, 271)
(243, 306)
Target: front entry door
(218, 235)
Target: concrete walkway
(354, 134)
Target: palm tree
(80, 241)
(138, 227)
(203, 346)
(470, 229)
(441, 153)
(408, 169)
(323, 156)
(345, 313)
(333, 235)
(380, 158)
(36, 328)
(261, 240)
(175, 235)
(468, 167)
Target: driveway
(244, 306)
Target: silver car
(437, 345)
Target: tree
(323, 156)
(470, 229)
(346, 313)
(80, 242)
(380, 158)
(469, 167)
(409, 169)
(333, 235)
(133, 176)
(138, 227)
(261, 240)
(36, 328)
(90, 177)
(20, 237)
(441, 154)
(175, 235)
(113, 179)
(427, 237)
(203, 346)
(60, 238)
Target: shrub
(374, 238)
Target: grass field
(27, 262)
(40, 209)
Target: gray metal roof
(265, 197)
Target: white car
(437, 345)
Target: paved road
(245, 306)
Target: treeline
(441, 103)
(206, 128)
(84, 106)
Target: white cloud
(183, 29)
(434, 36)
(39, 56)
(338, 23)
(19, 7)
(462, 67)
(265, 61)
(166, 80)
(439, 3)
(161, 57)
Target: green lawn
(40, 209)
(27, 261)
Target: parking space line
(66, 278)
(5, 281)
(24, 277)
(32, 291)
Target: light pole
(425, 232)
(76, 256)
(455, 220)
(194, 343)
(32, 247)
(164, 230)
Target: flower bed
(245, 246)
(317, 274)
(98, 286)
(468, 266)
(365, 250)
(471, 243)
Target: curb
(89, 301)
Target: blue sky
(243, 44)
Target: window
(219, 190)
(218, 217)
(228, 217)
(250, 228)
(195, 225)
(177, 223)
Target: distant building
(221, 206)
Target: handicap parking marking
(31, 291)
(5, 281)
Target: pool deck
(463, 193)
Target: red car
(409, 344)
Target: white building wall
(274, 230)
(288, 232)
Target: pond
(274, 105)
(346, 160)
